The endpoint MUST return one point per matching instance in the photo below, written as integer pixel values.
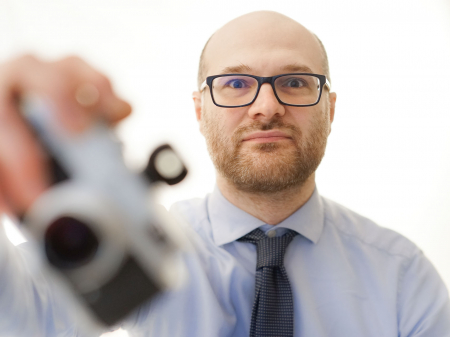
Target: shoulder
(364, 232)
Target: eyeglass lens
(291, 89)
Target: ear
(197, 97)
(332, 99)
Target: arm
(29, 305)
(423, 301)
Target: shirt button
(271, 233)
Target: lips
(267, 136)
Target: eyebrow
(242, 68)
(297, 68)
(245, 69)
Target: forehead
(263, 45)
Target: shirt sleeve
(423, 300)
(29, 305)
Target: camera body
(104, 239)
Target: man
(265, 108)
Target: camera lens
(70, 243)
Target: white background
(389, 153)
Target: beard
(266, 167)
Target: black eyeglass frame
(261, 80)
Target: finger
(59, 82)
(23, 174)
(22, 170)
(108, 106)
(29, 75)
(4, 206)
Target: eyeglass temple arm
(203, 86)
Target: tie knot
(270, 251)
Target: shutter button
(271, 233)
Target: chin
(269, 154)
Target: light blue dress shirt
(349, 277)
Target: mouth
(266, 136)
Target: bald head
(262, 30)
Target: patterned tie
(273, 309)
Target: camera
(97, 227)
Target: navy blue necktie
(273, 309)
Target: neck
(270, 208)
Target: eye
(294, 83)
(237, 84)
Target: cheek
(231, 119)
(299, 116)
(306, 118)
(222, 120)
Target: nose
(266, 104)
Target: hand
(23, 173)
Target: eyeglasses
(238, 90)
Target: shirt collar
(230, 223)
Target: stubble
(266, 168)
